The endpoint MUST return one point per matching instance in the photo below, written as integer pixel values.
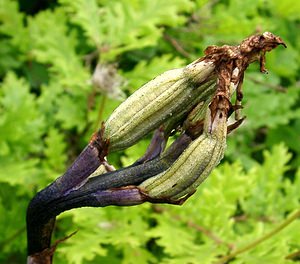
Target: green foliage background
(50, 105)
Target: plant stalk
(256, 242)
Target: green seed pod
(168, 96)
(195, 163)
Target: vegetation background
(66, 64)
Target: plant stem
(209, 234)
(256, 242)
(293, 255)
(100, 112)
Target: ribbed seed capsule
(168, 96)
(219, 141)
(194, 164)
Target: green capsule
(195, 164)
(167, 97)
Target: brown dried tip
(263, 42)
(232, 61)
(251, 49)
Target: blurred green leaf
(269, 178)
(12, 226)
(120, 26)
